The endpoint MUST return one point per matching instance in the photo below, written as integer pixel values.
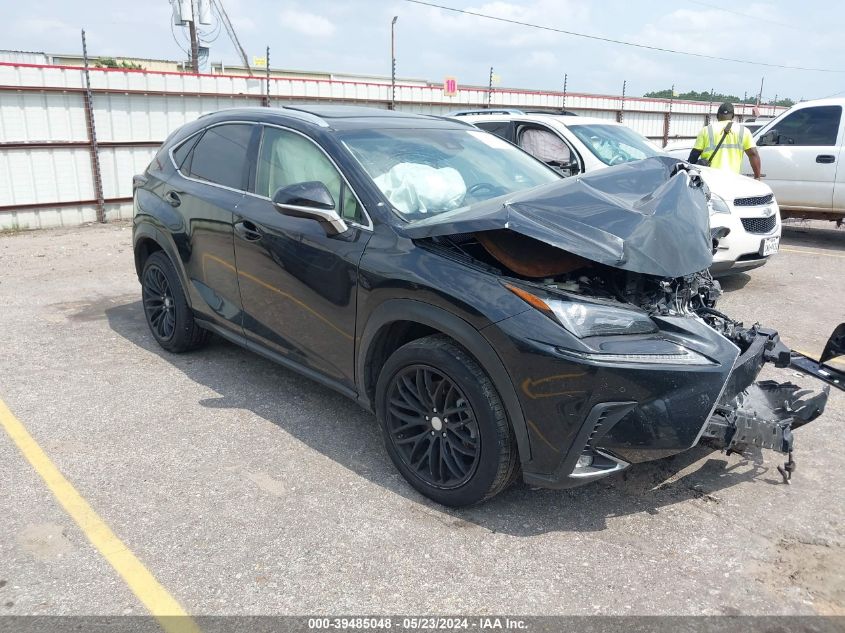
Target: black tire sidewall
(183, 318)
(443, 359)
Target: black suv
(496, 318)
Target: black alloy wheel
(433, 426)
(444, 424)
(166, 308)
(158, 303)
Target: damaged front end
(635, 239)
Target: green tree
(716, 97)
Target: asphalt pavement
(246, 489)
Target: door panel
(801, 168)
(206, 193)
(298, 285)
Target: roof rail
(557, 112)
(485, 111)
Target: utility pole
(744, 99)
(621, 116)
(195, 45)
(760, 94)
(563, 105)
(267, 76)
(490, 88)
(393, 62)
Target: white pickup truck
(800, 151)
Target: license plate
(769, 246)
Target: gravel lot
(247, 489)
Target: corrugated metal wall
(47, 175)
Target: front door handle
(248, 231)
(825, 158)
(173, 198)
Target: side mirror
(567, 168)
(772, 137)
(310, 200)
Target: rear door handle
(173, 198)
(825, 158)
(248, 231)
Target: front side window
(287, 158)
(810, 126)
(614, 144)
(220, 155)
(545, 145)
(429, 171)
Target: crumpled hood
(648, 217)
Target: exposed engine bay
(638, 235)
(748, 414)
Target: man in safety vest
(724, 150)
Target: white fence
(49, 175)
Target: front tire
(166, 308)
(444, 424)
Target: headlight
(718, 205)
(585, 319)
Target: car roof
(550, 117)
(338, 117)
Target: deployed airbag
(416, 188)
(648, 217)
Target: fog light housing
(584, 461)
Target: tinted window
(220, 155)
(287, 158)
(181, 152)
(499, 128)
(810, 126)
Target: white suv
(575, 144)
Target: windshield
(614, 144)
(424, 172)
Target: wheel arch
(147, 239)
(399, 321)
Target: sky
(353, 36)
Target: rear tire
(444, 424)
(166, 308)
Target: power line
(749, 16)
(622, 42)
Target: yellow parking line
(142, 583)
(803, 252)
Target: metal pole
(620, 116)
(760, 94)
(667, 118)
(709, 107)
(393, 62)
(563, 107)
(490, 88)
(92, 137)
(267, 68)
(195, 50)
(744, 99)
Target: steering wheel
(481, 187)
(617, 160)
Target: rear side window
(182, 152)
(499, 128)
(220, 156)
(810, 126)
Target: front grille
(759, 225)
(753, 201)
